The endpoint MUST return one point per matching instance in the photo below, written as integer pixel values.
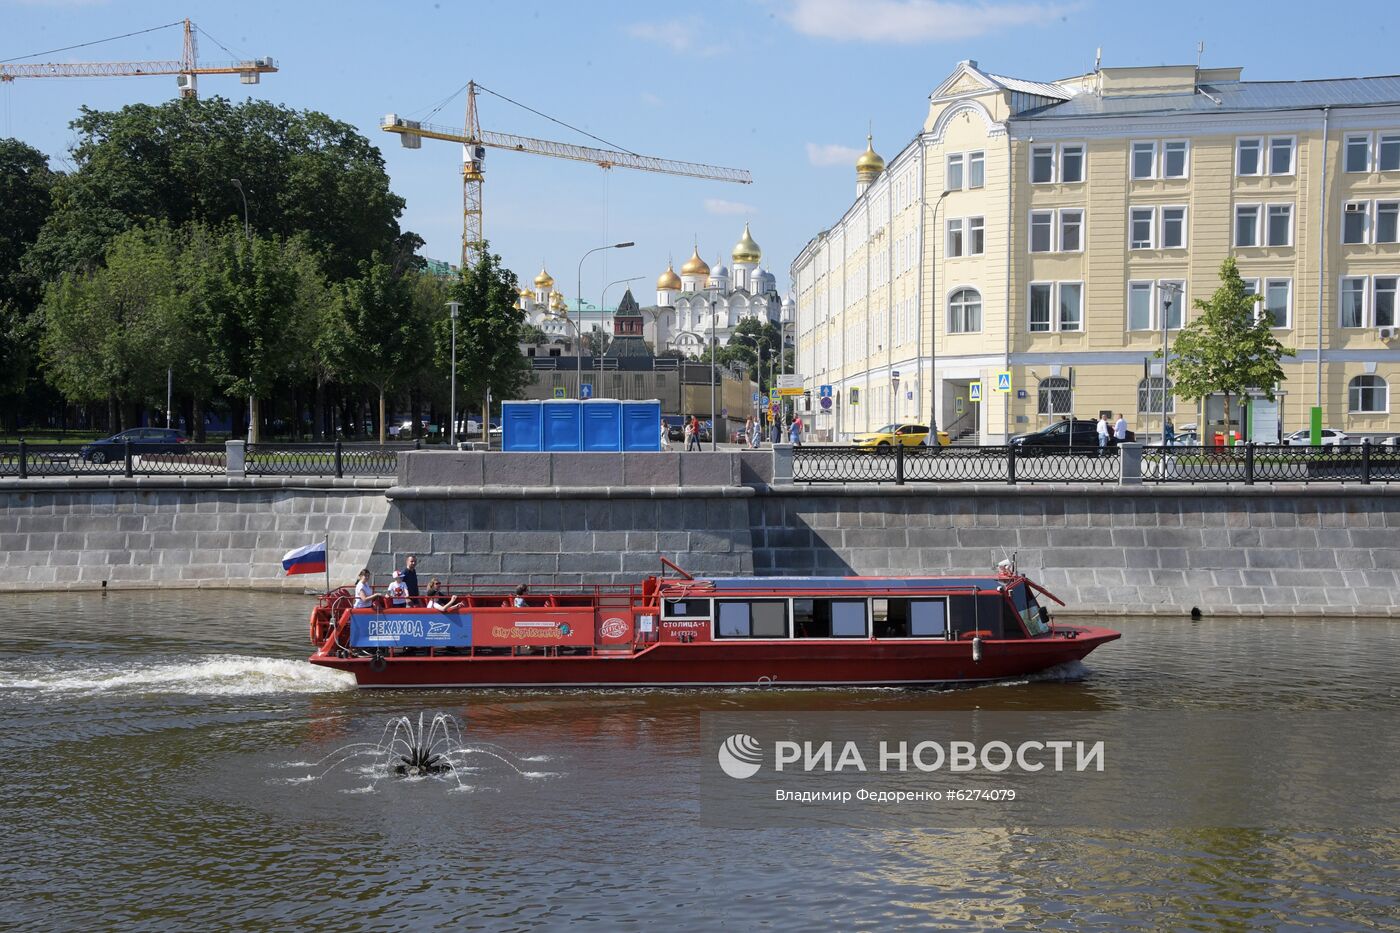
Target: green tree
(378, 328)
(488, 333)
(1230, 348)
(26, 184)
(302, 172)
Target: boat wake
(217, 676)
(1068, 673)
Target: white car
(1330, 438)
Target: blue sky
(784, 88)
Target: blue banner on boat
(423, 629)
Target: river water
(172, 762)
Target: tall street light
(578, 353)
(714, 412)
(247, 235)
(1170, 291)
(933, 328)
(453, 307)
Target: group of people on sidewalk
(751, 436)
(1120, 430)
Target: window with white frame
(1355, 221)
(1278, 302)
(976, 170)
(1368, 394)
(1140, 305)
(1143, 162)
(965, 311)
(1175, 158)
(1042, 165)
(954, 247)
(955, 172)
(1149, 302)
(1383, 289)
(1173, 228)
(1246, 224)
(1150, 395)
(1140, 221)
(1042, 231)
(1072, 163)
(976, 236)
(1248, 157)
(1171, 302)
(1279, 229)
(1353, 301)
(1281, 155)
(1358, 153)
(1388, 153)
(1042, 296)
(1071, 317)
(1071, 231)
(1387, 221)
(1054, 396)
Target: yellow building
(1030, 242)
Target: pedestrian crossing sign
(1004, 381)
(559, 392)
(974, 391)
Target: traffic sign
(824, 391)
(1004, 381)
(826, 402)
(792, 393)
(560, 393)
(758, 396)
(789, 380)
(774, 394)
(585, 390)
(974, 391)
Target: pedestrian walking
(692, 434)
(1103, 433)
(795, 432)
(1120, 429)
(665, 435)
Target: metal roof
(1038, 88)
(1234, 97)
(850, 583)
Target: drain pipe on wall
(1010, 185)
(1315, 421)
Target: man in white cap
(398, 592)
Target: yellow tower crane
(474, 142)
(187, 67)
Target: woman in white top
(364, 593)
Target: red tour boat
(722, 632)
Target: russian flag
(309, 559)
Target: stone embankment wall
(542, 518)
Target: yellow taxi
(906, 435)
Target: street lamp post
(714, 412)
(578, 350)
(247, 235)
(453, 307)
(1166, 318)
(933, 328)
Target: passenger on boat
(520, 592)
(437, 599)
(410, 578)
(364, 593)
(397, 592)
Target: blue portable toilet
(561, 425)
(602, 424)
(521, 429)
(641, 425)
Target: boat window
(909, 618)
(756, 618)
(687, 608)
(983, 613)
(829, 618)
(1024, 601)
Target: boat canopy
(724, 584)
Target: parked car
(905, 435)
(1186, 439)
(143, 441)
(1080, 436)
(1330, 438)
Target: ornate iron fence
(1261, 463)
(956, 464)
(25, 460)
(336, 459)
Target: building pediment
(965, 79)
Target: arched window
(1054, 397)
(965, 311)
(1368, 394)
(1150, 395)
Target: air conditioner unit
(1389, 333)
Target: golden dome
(668, 280)
(544, 279)
(695, 265)
(746, 250)
(869, 162)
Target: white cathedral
(691, 307)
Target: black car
(1080, 436)
(143, 441)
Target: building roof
(1038, 88)
(1234, 97)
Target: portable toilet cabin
(521, 428)
(641, 425)
(602, 424)
(562, 427)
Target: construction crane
(474, 142)
(187, 68)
